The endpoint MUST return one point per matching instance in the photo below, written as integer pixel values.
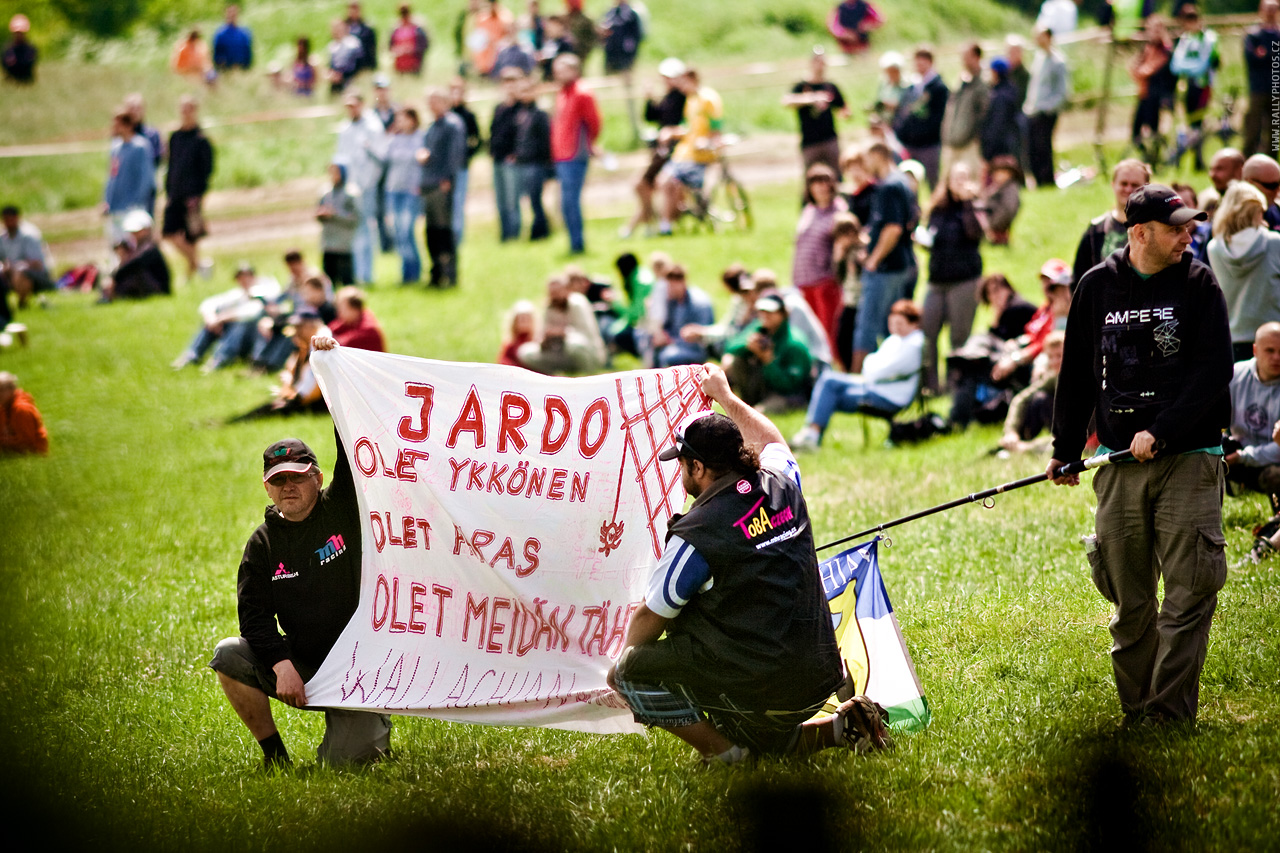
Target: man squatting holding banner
(1148, 353)
(749, 655)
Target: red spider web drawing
(665, 397)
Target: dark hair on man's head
(293, 256)
(924, 51)
(976, 49)
(626, 264)
(9, 210)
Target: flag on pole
(870, 638)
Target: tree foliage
(107, 20)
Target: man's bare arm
(757, 430)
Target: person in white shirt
(362, 142)
(230, 319)
(888, 382)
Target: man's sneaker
(807, 438)
(860, 726)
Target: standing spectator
(557, 42)
(190, 57)
(815, 100)
(768, 363)
(622, 31)
(1109, 231)
(813, 268)
(382, 106)
(442, 154)
(955, 267)
(303, 74)
(699, 139)
(888, 261)
(409, 43)
(1226, 165)
(491, 24)
(404, 190)
(137, 108)
(919, 122)
(386, 113)
(850, 24)
(1058, 15)
(502, 148)
(1156, 83)
(1196, 60)
(1264, 173)
(359, 136)
(19, 56)
(570, 340)
(190, 166)
(532, 156)
(966, 108)
(1245, 257)
(1261, 47)
(458, 96)
(1165, 397)
(686, 306)
(1000, 200)
(21, 428)
(355, 326)
(1000, 130)
(131, 177)
(345, 56)
(1046, 96)
(887, 382)
(366, 35)
(531, 29)
(574, 130)
(339, 216)
(25, 263)
(1019, 74)
(891, 89)
(666, 113)
(581, 29)
(232, 43)
(512, 54)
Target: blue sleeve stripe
(688, 575)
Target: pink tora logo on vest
(758, 522)
(743, 487)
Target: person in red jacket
(355, 325)
(574, 129)
(21, 429)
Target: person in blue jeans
(888, 382)
(574, 130)
(404, 190)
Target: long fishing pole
(1065, 471)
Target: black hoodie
(1151, 354)
(306, 574)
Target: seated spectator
(21, 429)
(273, 345)
(1245, 257)
(142, 269)
(570, 342)
(1253, 458)
(520, 326)
(599, 293)
(740, 314)
(339, 216)
(888, 383)
(1000, 200)
(987, 372)
(851, 22)
(346, 54)
(800, 316)
(1208, 200)
(768, 365)
(1031, 410)
(687, 309)
(303, 73)
(627, 332)
(298, 392)
(25, 262)
(18, 59)
(230, 320)
(355, 326)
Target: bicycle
(722, 202)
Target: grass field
(117, 576)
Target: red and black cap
(289, 455)
(1159, 203)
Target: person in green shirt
(768, 365)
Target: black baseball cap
(1159, 203)
(709, 437)
(289, 455)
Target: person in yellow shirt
(699, 136)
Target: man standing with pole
(1148, 351)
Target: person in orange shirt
(492, 24)
(21, 430)
(191, 57)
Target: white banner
(510, 523)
